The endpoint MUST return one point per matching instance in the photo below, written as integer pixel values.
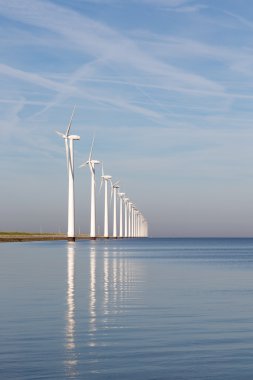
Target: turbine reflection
(71, 361)
(92, 295)
(106, 280)
(113, 287)
(119, 283)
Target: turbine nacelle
(73, 137)
(89, 162)
(115, 185)
(69, 137)
(93, 162)
(106, 177)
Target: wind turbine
(132, 221)
(69, 145)
(105, 179)
(130, 205)
(92, 164)
(115, 188)
(126, 200)
(121, 197)
(138, 223)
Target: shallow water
(127, 309)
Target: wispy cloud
(171, 3)
(241, 20)
(99, 40)
(187, 9)
(183, 6)
(10, 119)
(145, 62)
(34, 78)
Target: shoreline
(30, 237)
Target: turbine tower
(121, 197)
(115, 188)
(126, 200)
(105, 179)
(130, 205)
(132, 220)
(69, 146)
(92, 164)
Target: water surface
(127, 309)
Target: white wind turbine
(105, 179)
(126, 200)
(130, 205)
(69, 145)
(92, 164)
(121, 197)
(132, 220)
(115, 188)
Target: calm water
(127, 309)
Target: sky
(166, 87)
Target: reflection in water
(92, 295)
(71, 361)
(119, 274)
(115, 277)
(106, 280)
(110, 285)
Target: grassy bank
(14, 233)
(13, 236)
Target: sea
(149, 309)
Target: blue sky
(166, 86)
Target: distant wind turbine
(121, 197)
(126, 200)
(105, 179)
(132, 221)
(92, 164)
(115, 188)
(69, 139)
(130, 206)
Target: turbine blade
(102, 168)
(69, 158)
(83, 165)
(70, 121)
(111, 192)
(60, 134)
(67, 153)
(101, 184)
(92, 169)
(71, 162)
(116, 183)
(91, 148)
